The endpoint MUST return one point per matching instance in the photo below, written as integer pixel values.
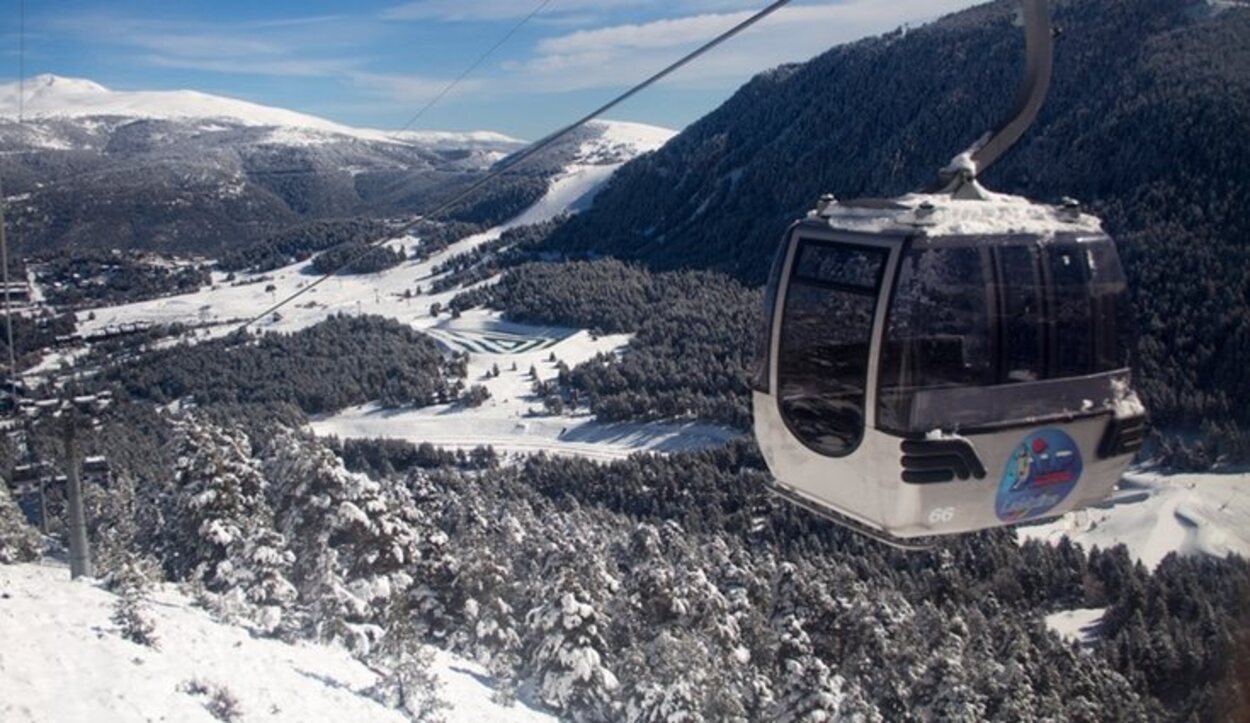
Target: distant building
(17, 291)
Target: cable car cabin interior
(936, 365)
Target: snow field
(1154, 514)
(1077, 626)
(62, 659)
(504, 421)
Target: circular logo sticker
(1041, 471)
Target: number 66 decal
(938, 515)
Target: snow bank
(61, 660)
(1155, 514)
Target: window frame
(888, 246)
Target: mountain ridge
(51, 96)
(187, 172)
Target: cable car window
(826, 331)
(1113, 316)
(857, 267)
(1023, 337)
(764, 339)
(1068, 264)
(938, 333)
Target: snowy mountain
(188, 171)
(55, 630)
(53, 97)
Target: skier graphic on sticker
(1040, 473)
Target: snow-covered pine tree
(406, 677)
(944, 691)
(667, 679)
(18, 540)
(489, 622)
(432, 596)
(265, 584)
(130, 613)
(354, 539)
(219, 505)
(808, 690)
(570, 672)
(111, 525)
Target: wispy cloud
(303, 46)
(583, 10)
(620, 54)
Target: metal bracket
(1038, 69)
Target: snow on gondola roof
(940, 214)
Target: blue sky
(375, 63)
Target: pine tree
(567, 661)
(219, 506)
(130, 613)
(407, 681)
(265, 583)
(18, 540)
(354, 539)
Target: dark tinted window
(1111, 311)
(857, 267)
(764, 339)
(938, 333)
(1022, 333)
(1070, 320)
(825, 334)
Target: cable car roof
(979, 213)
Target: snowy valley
(500, 464)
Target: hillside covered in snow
(65, 659)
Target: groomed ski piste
(1156, 514)
(512, 420)
(73, 665)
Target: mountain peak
(63, 84)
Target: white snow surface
(506, 421)
(1154, 514)
(61, 659)
(1077, 626)
(54, 96)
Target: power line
(481, 59)
(519, 158)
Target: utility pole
(79, 549)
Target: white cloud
(468, 10)
(623, 54)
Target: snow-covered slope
(53, 96)
(61, 659)
(1155, 514)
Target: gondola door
(816, 407)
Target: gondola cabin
(936, 364)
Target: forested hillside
(1146, 124)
